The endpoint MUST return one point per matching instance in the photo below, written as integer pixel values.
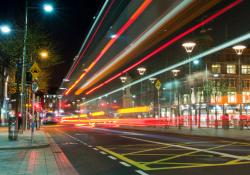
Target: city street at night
(125, 87)
(101, 151)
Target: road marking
(95, 149)
(125, 159)
(193, 149)
(146, 150)
(184, 154)
(111, 157)
(103, 152)
(141, 172)
(125, 164)
(90, 146)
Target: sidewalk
(24, 140)
(235, 134)
(42, 157)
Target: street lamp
(123, 79)
(5, 29)
(239, 50)
(189, 46)
(141, 71)
(152, 80)
(44, 54)
(47, 8)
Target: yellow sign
(158, 84)
(35, 70)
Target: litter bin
(13, 132)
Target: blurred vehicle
(50, 118)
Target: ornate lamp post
(141, 71)
(239, 50)
(189, 46)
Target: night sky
(68, 26)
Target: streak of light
(169, 68)
(92, 37)
(220, 12)
(131, 20)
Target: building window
(185, 98)
(216, 68)
(231, 69)
(246, 84)
(246, 97)
(231, 97)
(245, 69)
(231, 83)
(216, 96)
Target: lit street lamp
(239, 50)
(152, 80)
(44, 54)
(5, 29)
(141, 71)
(47, 8)
(189, 46)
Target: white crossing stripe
(125, 164)
(111, 157)
(141, 172)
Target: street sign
(158, 84)
(34, 87)
(35, 70)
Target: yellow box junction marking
(146, 165)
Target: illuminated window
(231, 97)
(216, 68)
(246, 84)
(245, 69)
(231, 69)
(186, 98)
(215, 96)
(246, 97)
(231, 83)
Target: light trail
(92, 37)
(153, 28)
(199, 56)
(131, 20)
(164, 46)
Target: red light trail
(89, 42)
(220, 12)
(131, 20)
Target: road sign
(35, 70)
(158, 84)
(34, 86)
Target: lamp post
(152, 80)
(141, 71)
(47, 8)
(239, 50)
(175, 73)
(189, 46)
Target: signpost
(158, 87)
(35, 71)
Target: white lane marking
(102, 152)
(95, 149)
(194, 149)
(90, 146)
(125, 164)
(141, 172)
(111, 157)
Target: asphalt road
(103, 151)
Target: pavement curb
(64, 165)
(26, 147)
